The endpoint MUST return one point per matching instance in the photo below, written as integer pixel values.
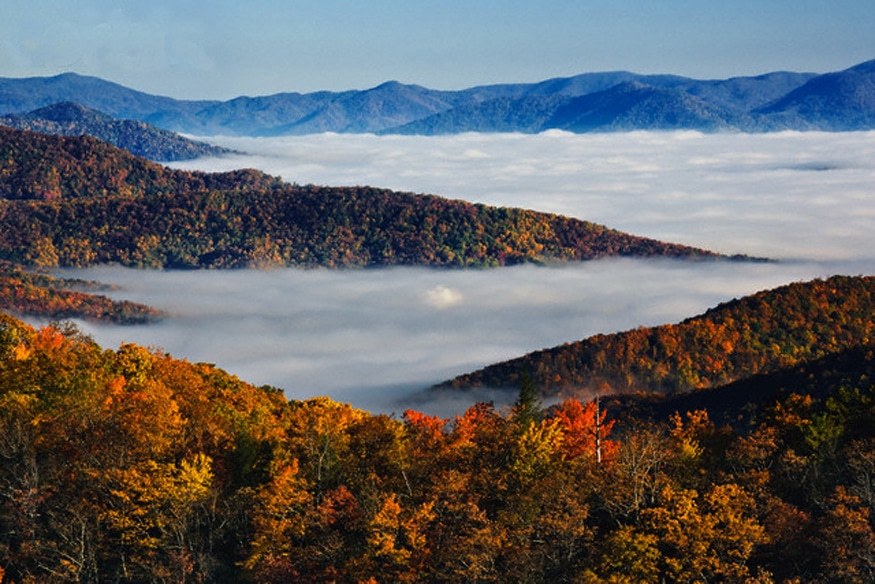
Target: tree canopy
(128, 465)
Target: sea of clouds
(379, 338)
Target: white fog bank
(376, 338)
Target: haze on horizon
(192, 49)
(377, 338)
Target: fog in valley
(784, 195)
(378, 338)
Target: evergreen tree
(527, 408)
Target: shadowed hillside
(138, 138)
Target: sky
(220, 49)
(378, 338)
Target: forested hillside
(741, 402)
(130, 466)
(35, 166)
(80, 202)
(759, 333)
(27, 294)
(309, 226)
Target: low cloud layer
(782, 195)
(377, 338)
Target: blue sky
(218, 49)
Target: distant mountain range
(592, 102)
(139, 138)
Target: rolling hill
(76, 201)
(24, 293)
(37, 166)
(757, 334)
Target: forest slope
(27, 294)
(755, 334)
(741, 402)
(35, 166)
(80, 202)
(131, 466)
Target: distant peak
(395, 86)
(67, 111)
(69, 76)
(390, 83)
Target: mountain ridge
(835, 101)
(759, 333)
(77, 201)
(68, 118)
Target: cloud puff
(442, 297)
(377, 338)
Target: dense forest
(131, 466)
(309, 226)
(80, 202)
(756, 334)
(740, 402)
(27, 294)
(45, 167)
(736, 446)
